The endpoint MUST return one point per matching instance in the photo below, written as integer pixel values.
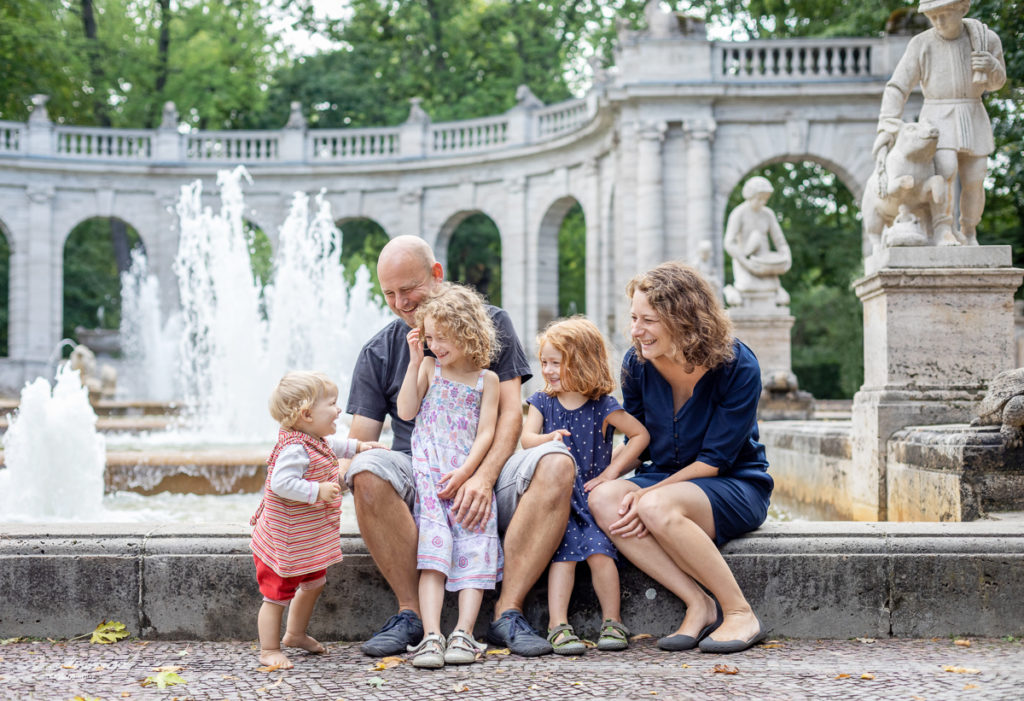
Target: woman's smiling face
(647, 329)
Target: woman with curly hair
(703, 479)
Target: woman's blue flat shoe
(726, 647)
(678, 643)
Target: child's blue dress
(592, 450)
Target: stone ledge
(813, 580)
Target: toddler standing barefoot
(296, 532)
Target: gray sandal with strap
(568, 642)
(614, 636)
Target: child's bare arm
(417, 378)
(532, 428)
(628, 457)
(481, 444)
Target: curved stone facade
(651, 154)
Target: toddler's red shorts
(280, 590)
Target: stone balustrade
(529, 122)
(799, 59)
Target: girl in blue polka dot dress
(577, 409)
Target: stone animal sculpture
(904, 179)
(1003, 406)
(100, 380)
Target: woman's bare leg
(648, 554)
(679, 516)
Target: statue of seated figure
(750, 233)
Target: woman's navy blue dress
(717, 425)
(592, 449)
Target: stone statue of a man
(955, 62)
(750, 232)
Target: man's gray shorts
(514, 480)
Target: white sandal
(462, 648)
(429, 654)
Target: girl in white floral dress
(454, 400)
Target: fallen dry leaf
(915, 697)
(68, 666)
(182, 653)
(228, 676)
(962, 642)
(533, 686)
(499, 651)
(460, 687)
(99, 668)
(125, 694)
(725, 669)
(842, 676)
(589, 643)
(960, 670)
(970, 686)
(575, 683)
(770, 646)
(500, 670)
(865, 640)
(109, 632)
(639, 636)
(269, 668)
(277, 683)
(169, 668)
(685, 666)
(867, 675)
(387, 663)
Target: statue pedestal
(938, 326)
(765, 328)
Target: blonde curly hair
(297, 392)
(460, 312)
(585, 367)
(690, 310)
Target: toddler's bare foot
(303, 641)
(275, 658)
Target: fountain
(230, 341)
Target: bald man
(532, 487)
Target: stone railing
(103, 144)
(11, 135)
(798, 59)
(561, 118)
(233, 146)
(468, 136)
(353, 144)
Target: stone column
(518, 261)
(411, 219)
(594, 254)
(938, 326)
(699, 135)
(650, 205)
(39, 318)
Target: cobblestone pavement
(915, 670)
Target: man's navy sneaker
(511, 630)
(403, 629)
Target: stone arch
(5, 287)
(824, 236)
(362, 239)
(548, 258)
(91, 267)
(469, 246)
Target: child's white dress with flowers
(445, 429)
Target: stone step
(114, 407)
(805, 580)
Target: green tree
(92, 281)
(572, 263)
(361, 243)
(474, 256)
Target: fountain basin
(805, 580)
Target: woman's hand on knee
(629, 524)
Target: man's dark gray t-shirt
(380, 370)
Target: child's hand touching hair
(415, 347)
(329, 491)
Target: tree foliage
(92, 282)
(361, 243)
(572, 263)
(474, 256)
